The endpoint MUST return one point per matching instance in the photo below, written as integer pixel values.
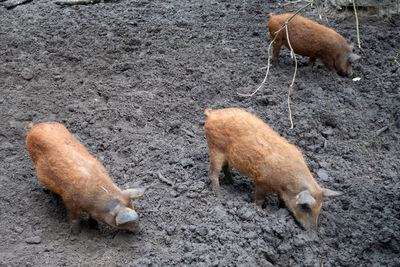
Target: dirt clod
(27, 74)
(33, 240)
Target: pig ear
(353, 57)
(330, 193)
(304, 197)
(136, 192)
(125, 215)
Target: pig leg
(75, 223)
(330, 65)
(260, 193)
(216, 163)
(92, 222)
(74, 218)
(311, 63)
(227, 171)
(276, 50)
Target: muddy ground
(131, 79)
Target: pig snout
(124, 217)
(131, 225)
(121, 217)
(348, 74)
(310, 224)
(350, 58)
(306, 207)
(119, 212)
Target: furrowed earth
(131, 80)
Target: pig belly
(248, 161)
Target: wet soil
(131, 80)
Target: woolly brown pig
(65, 167)
(239, 139)
(313, 40)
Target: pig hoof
(260, 202)
(93, 223)
(75, 231)
(228, 179)
(217, 194)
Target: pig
(65, 167)
(239, 139)
(308, 38)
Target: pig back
(47, 139)
(62, 163)
(241, 137)
(252, 147)
(309, 38)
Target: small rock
(324, 164)
(192, 195)
(71, 108)
(175, 124)
(349, 90)
(385, 235)
(299, 242)
(33, 240)
(171, 230)
(246, 214)
(301, 86)
(327, 132)
(251, 235)
(18, 229)
(14, 3)
(230, 50)
(188, 257)
(323, 175)
(304, 238)
(282, 213)
(187, 246)
(225, 237)
(27, 74)
(202, 231)
(186, 162)
(48, 248)
(174, 193)
(284, 247)
(220, 213)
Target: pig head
(304, 199)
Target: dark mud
(131, 80)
